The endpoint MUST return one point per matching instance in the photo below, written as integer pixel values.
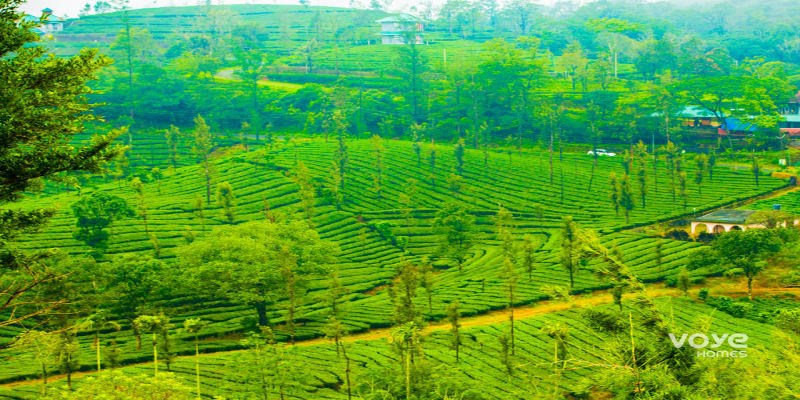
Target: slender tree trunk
(571, 279)
(261, 310)
(408, 372)
(511, 319)
(594, 161)
(155, 355)
(291, 319)
(130, 75)
(197, 364)
(256, 120)
(44, 379)
(347, 372)
(97, 346)
(551, 152)
(208, 178)
(561, 164)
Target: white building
(53, 24)
(727, 220)
(397, 28)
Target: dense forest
(518, 201)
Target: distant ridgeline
(280, 28)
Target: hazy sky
(71, 7)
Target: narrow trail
(722, 286)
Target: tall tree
(44, 107)
(94, 214)
(745, 252)
(252, 64)
(155, 325)
(339, 125)
(528, 251)
(614, 32)
(702, 163)
(193, 326)
(521, 12)
(614, 192)
(227, 199)
(454, 317)
(570, 254)
(377, 152)
(509, 274)
(413, 66)
(432, 154)
(302, 177)
(125, 41)
(640, 150)
(458, 153)
(456, 226)
(244, 263)
(138, 188)
(203, 145)
(626, 196)
(171, 137)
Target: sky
(70, 8)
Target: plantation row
(315, 371)
(366, 261)
(522, 185)
(790, 202)
(279, 28)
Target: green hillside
(368, 258)
(279, 28)
(237, 202)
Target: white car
(601, 152)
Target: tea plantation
(368, 255)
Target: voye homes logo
(707, 347)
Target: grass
(227, 75)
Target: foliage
(95, 213)
(244, 262)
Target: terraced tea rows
(322, 376)
(367, 261)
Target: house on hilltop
(699, 121)
(397, 29)
(51, 24)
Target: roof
(400, 18)
(694, 112)
(688, 112)
(728, 216)
(733, 124)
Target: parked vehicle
(601, 152)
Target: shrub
(703, 294)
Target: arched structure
(725, 221)
(721, 221)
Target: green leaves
(94, 214)
(247, 263)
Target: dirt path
(594, 298)
(721, 286)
